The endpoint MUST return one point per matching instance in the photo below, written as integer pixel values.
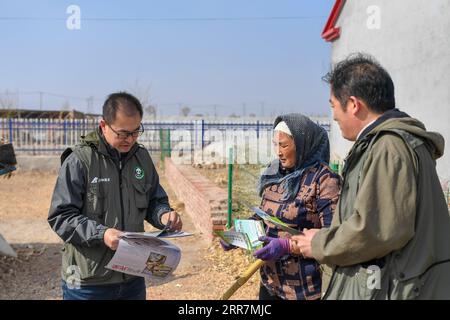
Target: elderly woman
(301, 190)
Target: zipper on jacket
(121, 198)
(121, 203)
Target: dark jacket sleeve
(65, 215)
(159, 204)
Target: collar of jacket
(390, 114)
(96, 140)
(366, 136)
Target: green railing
(165, 147)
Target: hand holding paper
(172, 221)
(147, 254)
(111, 238)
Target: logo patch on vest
(138, 173)
(98, 180)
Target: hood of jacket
(434, 141)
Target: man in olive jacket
(107, 184)
(390, 235)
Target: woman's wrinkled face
(285, 149)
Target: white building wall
(413, 44)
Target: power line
(58, 95)
(185, 19)
(41, 99)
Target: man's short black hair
(360, 75)
(124, 101)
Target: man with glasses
(107, 184)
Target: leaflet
(274, 220)
(147, 254)
(245, 235)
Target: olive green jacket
(390, 236)
(97, 189)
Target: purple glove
(226, 246)
(275, 249)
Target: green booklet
(245, 235)
(274, 220)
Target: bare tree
(65, 106)
(142, 92)
(150, 110)
(185, 111)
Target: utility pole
(215, 111)
(180, 105)
(89, 104)
(40, 99)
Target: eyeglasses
(125, 134)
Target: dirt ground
(205, 271)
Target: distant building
(411, 39)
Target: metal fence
(52, 136)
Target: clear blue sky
(196, 63)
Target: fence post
(230, 186)
(161, 148)
(164, 145)
(203, 134)
(10, 130)
(169, 147)
(257, 129)
(65, 133)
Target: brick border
(204, 201)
